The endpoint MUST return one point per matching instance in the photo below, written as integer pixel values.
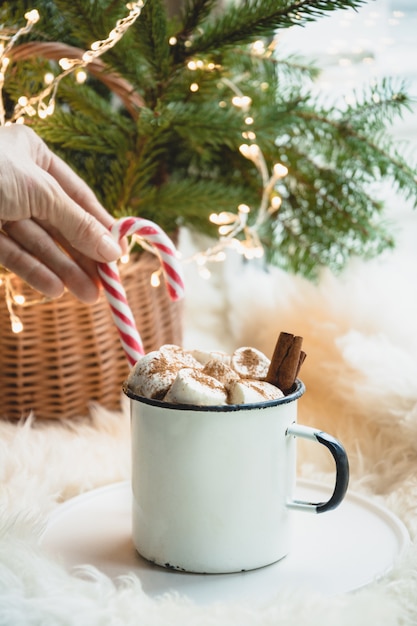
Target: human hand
(53, 230)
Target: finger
(42, 249)
(49, 202)
(24, 142)
(88, 265)
(77, 189)
(30, 269)
(41, 185)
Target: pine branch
(194, 12)
(382, 159)
(346, 220)
(208, 126)
(178, 159)
(152, 38)
(378, 105)
(351, 143)
(76, 133)
(191, 201)
(243, 22)
(77, 21)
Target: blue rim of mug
(298, 391)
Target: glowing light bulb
(194, 87)
(224, 217)
(155, 280)
(19, 299)
(17, 325)
(132, 6)
(32, 16)
(81, 76)
(253, 151)
(276, 202)
(224, 230)
(65, 63)
(249, 134)
(258, 47)
(48, 78)
(172, 41)
(88, 56)
(280, 170)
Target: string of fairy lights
(234, 229)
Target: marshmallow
(155, 372)
(178, 376)
(220, 371)
(184, 358)
(203, 357)
(250, 363)
(194, 387)
(252, 391)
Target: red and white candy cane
(114, 290)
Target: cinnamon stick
(286, 362)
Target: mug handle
(342, 468)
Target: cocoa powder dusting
(206, 380)
(161, 365)
(251, 361)
(267, 394)
(247, 363)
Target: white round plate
(334, 552)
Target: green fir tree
(160, 150)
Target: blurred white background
(353, 47)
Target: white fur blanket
(360, 335)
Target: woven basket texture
(69, 354)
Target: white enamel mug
(213, 486)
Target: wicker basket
(69, 354)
